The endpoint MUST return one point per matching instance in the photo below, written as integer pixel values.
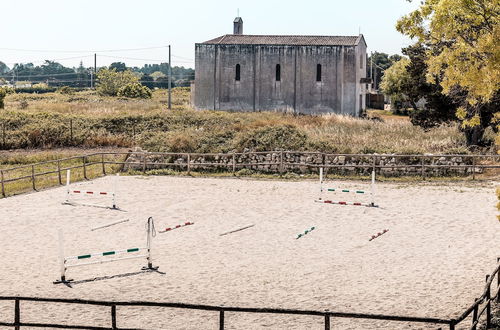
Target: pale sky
(70, 31)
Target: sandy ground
(442, 241)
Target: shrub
(109, 82)
(3, 93)
(65, 90)
(23, 103)
(135, 90)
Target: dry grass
(106, 121)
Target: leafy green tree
(394, 81)
(157, 74)
(381, 62)
(109, 81)
(439, 107)
(148, 81)
(3, 68)
(118, 66)
(466, 33)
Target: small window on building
(278, 72)
(237, 76)
(361, 61)
(318, 72)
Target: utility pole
(169, 78)
(95, 67)
(371, 66)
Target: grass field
(85, 119)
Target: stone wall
(305, 163)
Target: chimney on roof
(238, 25)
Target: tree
(109, 81)
(395, 80)
(381, 62)
(118, 66)
(3, 68)
(148, 81)
(467, 57)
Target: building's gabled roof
(245, 39)
(238, 20)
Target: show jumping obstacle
(305, 233)
(86, 193)
(176, 227)
(357, 192)
(378, 235)
(74, 261)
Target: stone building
(295, 74)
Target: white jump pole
(373, 189)
(115, 185)
(149, 245)
(61, 256)
(68, 182)
(320, 182)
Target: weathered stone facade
(295, 74)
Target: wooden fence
(486, 299)
(187, 162)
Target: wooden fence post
(84, 167)
(473, 167)
(144, 162)
(189, 164)
(327, 320)
(103, 165)
(33, 176)
(422, 164)
(2, 183)
(113, 317)
(59, 171)
(488, 304)
(498, 282)
(17, 314)
(474, 316)
(281, 162)
(221, 319)
(234, 163)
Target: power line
(50, 60)
(80, 51)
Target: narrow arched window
(318, 72)
(278, 72)
(237, 76)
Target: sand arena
(442, 240)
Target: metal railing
(486, 298)
(421, 163)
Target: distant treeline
(56, 75)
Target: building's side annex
(295, 74)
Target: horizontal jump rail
(104, 254)
(104, 261)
